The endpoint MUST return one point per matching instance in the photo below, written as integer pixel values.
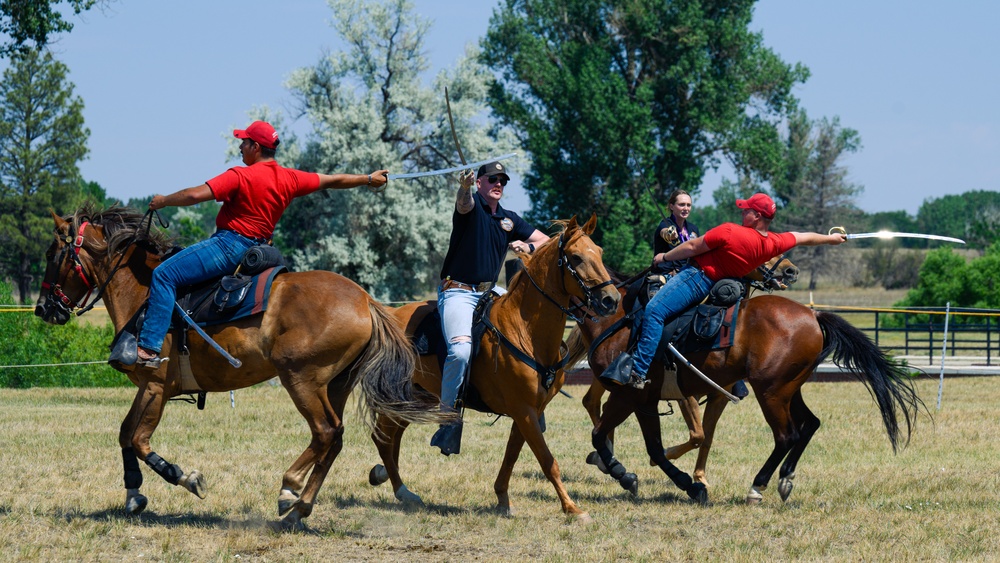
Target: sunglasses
(494, 178)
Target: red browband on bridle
(56, 289)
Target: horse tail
(577, 348)
(386, 369)
(888, 383)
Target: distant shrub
(27, 340)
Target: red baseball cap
(260, 132)
(760, 203)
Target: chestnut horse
(777, 345)
(321, 335)
(531, 317)
(776, 274)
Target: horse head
(68, 283)
(77, 261)
(777, 273)
(584, 274)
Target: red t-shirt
(737, 250)
(254, 197)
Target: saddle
(218, 301)
(428, 340)
(709, 325)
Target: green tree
(29, 23)
(42, 138)
(971, 216)
(812, 189)
(369, 108)
(608, 95)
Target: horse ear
(60, 222)
(591, 225)
(572, 224)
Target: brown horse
(777, 345)
(531, 318)
(347, 338)
(777, 273)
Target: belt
(481, 287)
(258, 240)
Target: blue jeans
(212, 258)
(688, 287)
(456, 307)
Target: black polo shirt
(479, 242)
(660, 246)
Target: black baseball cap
(492, 168)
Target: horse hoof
(406, 497)
(292, 522)
(593, 458)
(507, 511)
(195, 483)
(785, 487)
(755, 496)
(135, 502)
(630, 482)
(378, 475)
(287, 501)
(582, 518)
(698, 493)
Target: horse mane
(122, 225)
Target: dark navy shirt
(479, 242)
(660, 246)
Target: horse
(321, 335)
(777, 344)
(777, 273)
(518, 369)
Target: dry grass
(854, 500)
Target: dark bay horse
(321, 335)
(777, 273)
(777, 345)
(532, 317)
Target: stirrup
(637, 381)
(152, 363)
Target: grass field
(62, 498)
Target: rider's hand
(466, 178)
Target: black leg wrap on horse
(615, 469)
(681, 479)
(170, 472)
(133, 475)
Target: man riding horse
(726, 251)
(481, 232)
(253, 199)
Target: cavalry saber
(232, 361)
(451, 122)
(450, 170)
(892, 234)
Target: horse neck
(127, 289)
(527, 313)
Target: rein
(56, 289)
(547, 373)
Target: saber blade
(450, 170)
(890, 234)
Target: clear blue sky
(165, 82)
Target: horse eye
(575, 260)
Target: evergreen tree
(813, 191)
(29, 23)
(42, 138)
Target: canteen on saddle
(216, 301)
